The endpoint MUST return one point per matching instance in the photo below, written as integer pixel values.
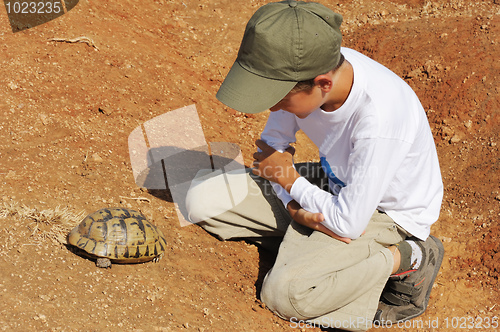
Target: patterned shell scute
(122, 235)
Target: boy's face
(301, 103)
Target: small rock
(44, 119)
(45, 297)
(455, 139)
(105, 110)
(97, 158)
(10, 175)
(414, 73)
(41, 317)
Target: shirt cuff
(299, 190)
(282, 194)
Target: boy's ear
(324, 82)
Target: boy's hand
(275, 166)
(312, 220)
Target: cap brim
(250, 93)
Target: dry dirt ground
(67, 109)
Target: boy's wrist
(287, 181)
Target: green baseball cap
(284, 43)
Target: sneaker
(406, 295)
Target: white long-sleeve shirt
(379, 148)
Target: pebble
(45, 297)
(105, 110)
(10, 174)
(44, 119)
(455, 139)
(41, 317)
(97, 158)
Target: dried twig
(137, 198)
(81, 39)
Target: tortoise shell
(120, 235)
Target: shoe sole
(439, 260)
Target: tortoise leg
(157, 258)
(103, 262)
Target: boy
(359, 221)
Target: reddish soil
(67, 109)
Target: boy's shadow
(170, 179)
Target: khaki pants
(315, 279)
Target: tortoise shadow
(79, 252)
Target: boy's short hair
(307, 85)
(284, 43)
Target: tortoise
(117, 235)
